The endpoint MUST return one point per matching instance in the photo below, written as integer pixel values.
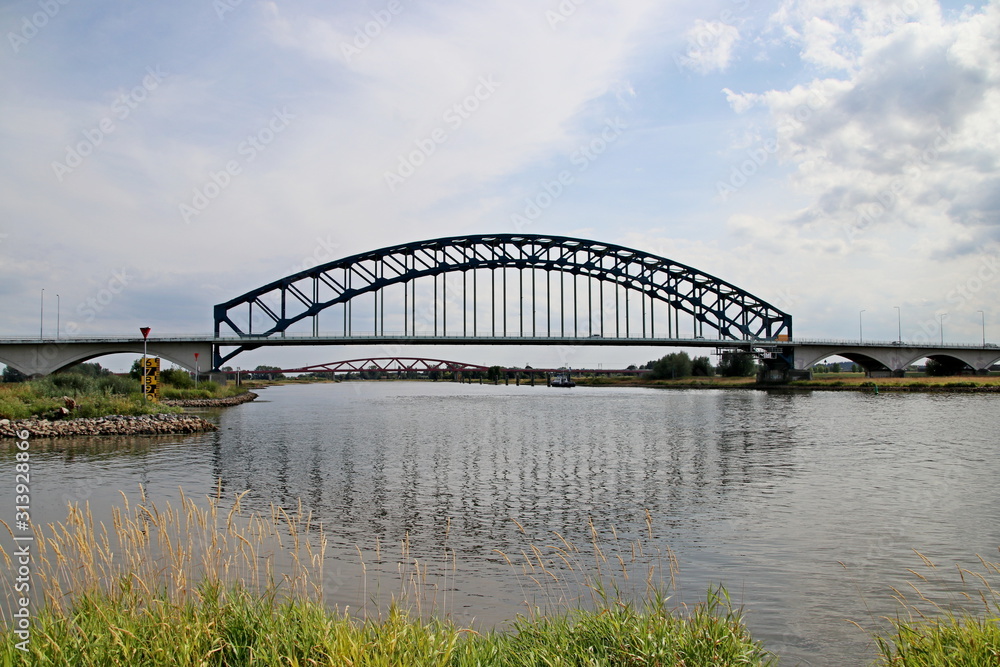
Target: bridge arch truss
(503, 285)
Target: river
(806, 506)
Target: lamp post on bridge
(942, 327)
(41, 316)
(983, 315)
(899, 325)
(861, 327)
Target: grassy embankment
(95, 396)
(819, 381)
(197, 585)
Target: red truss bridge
(420, 365)
(389, 364)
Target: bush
(702, 366)
(177, 377)
(674, 365)
(66, 383)
(945, 366)
(736, 364)
(117, 384)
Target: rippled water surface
(806, 506)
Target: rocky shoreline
(112, 425)
(161, 424)
(212, 402)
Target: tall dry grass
(169, 553)
(215, 584)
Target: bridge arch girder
(46, 358)
(970, 360)
(894, 358)
(868, 362)
(734, 313)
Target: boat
(563, 380)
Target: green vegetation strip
(237, 628)
(74, 395)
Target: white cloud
(908, 137)
(710, 46)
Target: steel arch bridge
(530, 288)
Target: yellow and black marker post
(151, 379)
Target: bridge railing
(849, 342)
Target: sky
(828, 156)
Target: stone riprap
(112, 425)
(212, 402)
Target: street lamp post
(899, 325)
(942, 327)
(983, 315)
(41, 316)
(57, 316)
(861, 327)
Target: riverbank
(151, 424)
(158, 424)
(824, 382)
(224, 402)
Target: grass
(930, 633)
(211, 584)
(204, 585)
(645, 381)
(237, 628)
(207, 389)
(820, 380)
(93, 397)
(96, 396)
(909, 382)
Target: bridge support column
(777, 370)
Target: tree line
(680, 365)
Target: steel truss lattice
(647, 283)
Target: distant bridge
(420, 365)
(499, 289)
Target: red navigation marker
(145, 332)
(196, 355)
